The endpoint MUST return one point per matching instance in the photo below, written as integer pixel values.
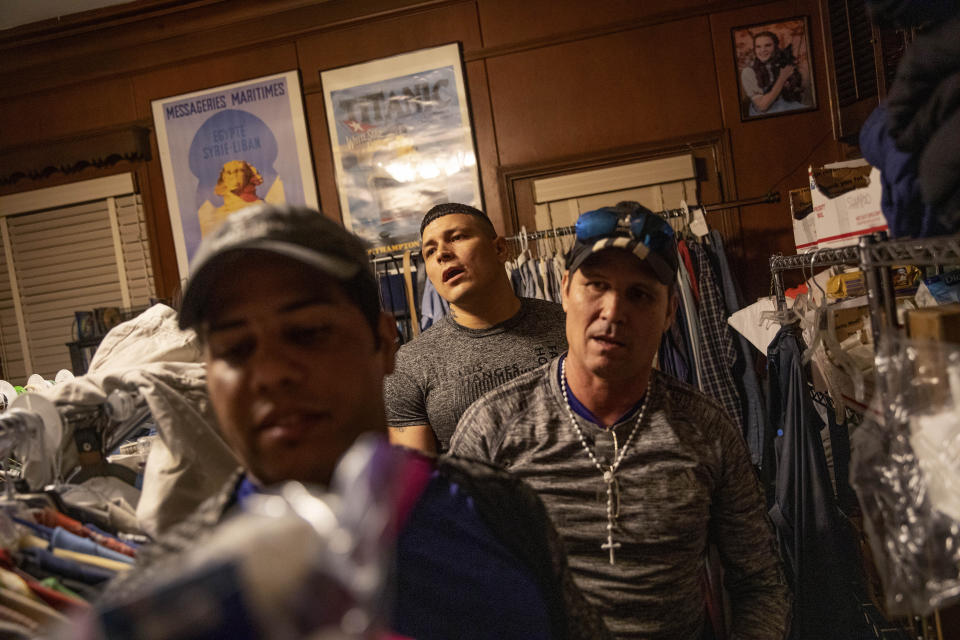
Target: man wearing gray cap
(296, 348)
(639, 472)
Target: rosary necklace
(609, 474)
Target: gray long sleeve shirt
(685, 482)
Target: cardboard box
(940, 324)
(849, 321)
(804, 222)
(846, 203)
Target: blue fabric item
(671, 357)
(87, 574)
(923, 115)
(900, 201)
(676, 349)
(432, 306)
(171, 612)
(393, 293)
(816, 542)
(439, 586)
(63, 539)
(582, 411)
(755, 415)
(39, 529)
(245, 489)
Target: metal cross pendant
(611, 480)
(611, 545)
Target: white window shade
(618, 178)
(11, 351)
(71, 257)
(135, 249)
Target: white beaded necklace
(610, 474)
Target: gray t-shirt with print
(684, 482)
(442, 372)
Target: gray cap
(303, 234)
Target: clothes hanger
(89, 427)
(524, 246)
(824, 326)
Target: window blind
(14, 367)
(72, 257)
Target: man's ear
(500, 247)
(387, 332)
(564, 290)
(672, 305)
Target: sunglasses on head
(607, 221)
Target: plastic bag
(296, 563)
(905, 469)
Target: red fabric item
(59, 601)
(110, 543)
(6, 560)
(795, 291)
(688, 264)
(52, 518)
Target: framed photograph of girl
(774, 68)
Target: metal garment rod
(394, 251)
(666, 213)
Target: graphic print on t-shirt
(449, 367)
(478, 377)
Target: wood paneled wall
(548, 80)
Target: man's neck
(486, 310)
(607, 399)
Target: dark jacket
(513, 513)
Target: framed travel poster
(225, 148)
(402, 141)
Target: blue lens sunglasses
(606, 221)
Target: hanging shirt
(815, 540)
(432, 306)
(688, 265)
(692, 322)
(717, 354)
(754, 419)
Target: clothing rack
(382, 258)
(380, 255)
(874, 254)
(816, 258)
(666, 213)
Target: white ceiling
(14, 13)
